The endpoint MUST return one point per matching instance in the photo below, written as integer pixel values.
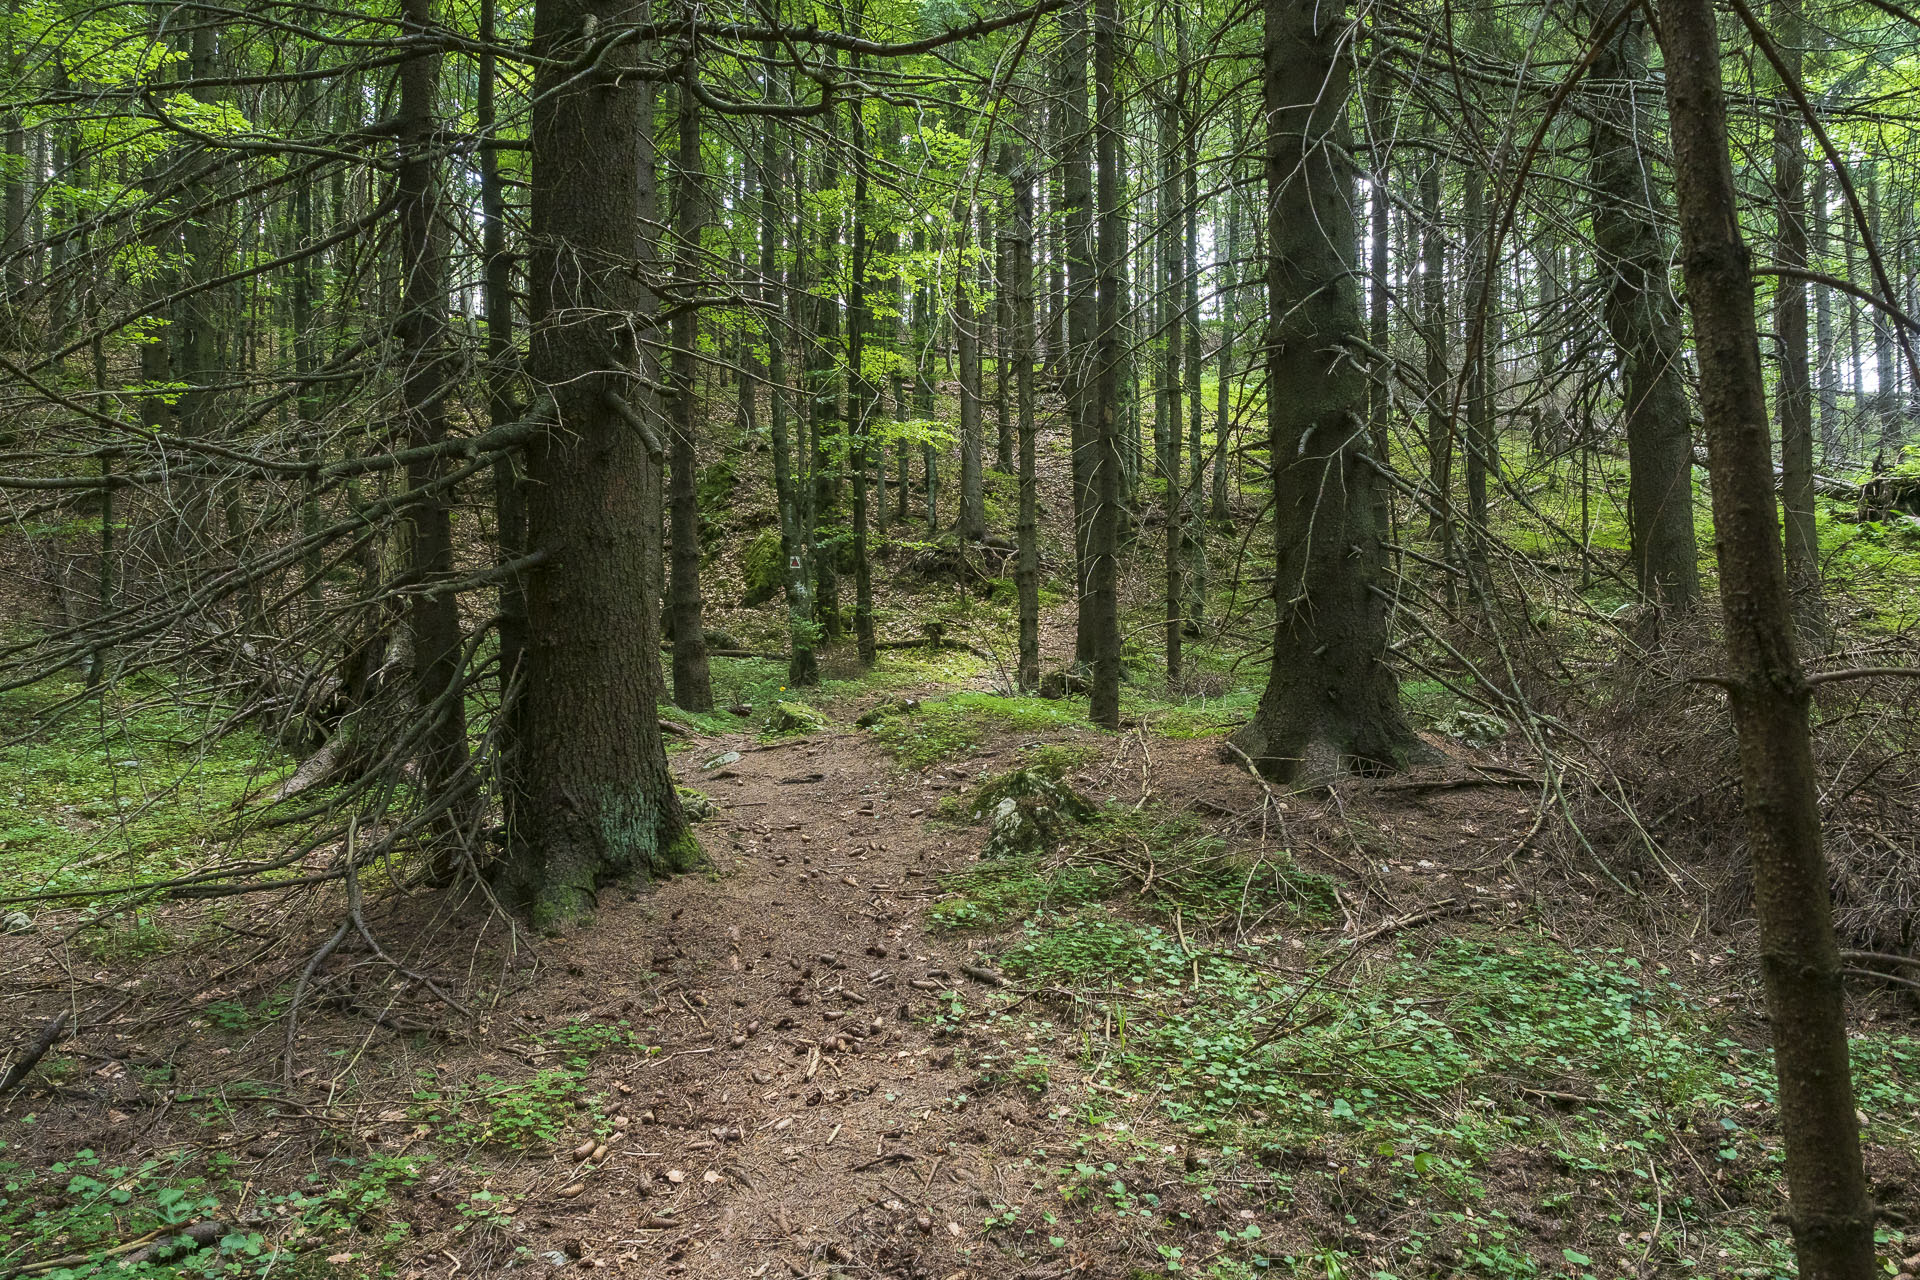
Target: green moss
(950, 726)
(682, 853)
(764, 565)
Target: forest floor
(1208, 1029)
(1417, 1026)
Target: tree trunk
(1790, 337)
(1800, 964)
(1642, 319)
(789, 492)
(821, 377)
(1170, 397)
(1027, 567)
(1076, 378)
(861, 395)
(1379, 278)
(1195, 527)
(972, 522)
(1826, 392)
(1479, 405)
(426, 353)
(1101, 616)
(509, 496)
(594, 800)
(1331, 702)
(1433, 323)
(1229, 325)
(923, 402)
(692, 683)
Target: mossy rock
(716, 483)
(764, 564)
(1030, 812)
(695, 804)
(795, 717)
(887, 710)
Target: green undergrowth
(347, 1215)
(945, 727)
(760, 683)
(1480, 1101)
(123, 788)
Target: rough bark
(1643, 320)
(1790, 337)
(1331, 703)
(1800, 962)
(692, 682)
(790, 494)
(1433, 325)
(971, 522)
(862, 398)
(594, 799)
(433, 616)
(1100, 618)
(509, 496)
(1076, 375)
(1027, 566)
(1170, 394)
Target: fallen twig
(31, 1055)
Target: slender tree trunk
(426, 352)
(1800, 963)
(1642, 318)
(861, 396)
(1824, 379)
(1077, 382)
(692, 683)
(1879, 333)
(1479, 404)
(1790, 336)
(594, 800)
(821, 376)
(1002, 331)
(1433, 322)
(1170, 398)
(972, 523)
(1331, 703)
(509, 496)
(1102, 617)
(1223, 457)
(802, 667)
(1027, 567)
(1379, 280)
(1195, 526)
(923, 403)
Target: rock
(1030, 812)
(795, 717)
(695, 803)
(1475, 728)
(1059, 684)
(724, 758)
(764, 564)
(886, 710)
(16, 922)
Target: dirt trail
(806, 1111)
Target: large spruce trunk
(1331, 703)
(594, 799)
